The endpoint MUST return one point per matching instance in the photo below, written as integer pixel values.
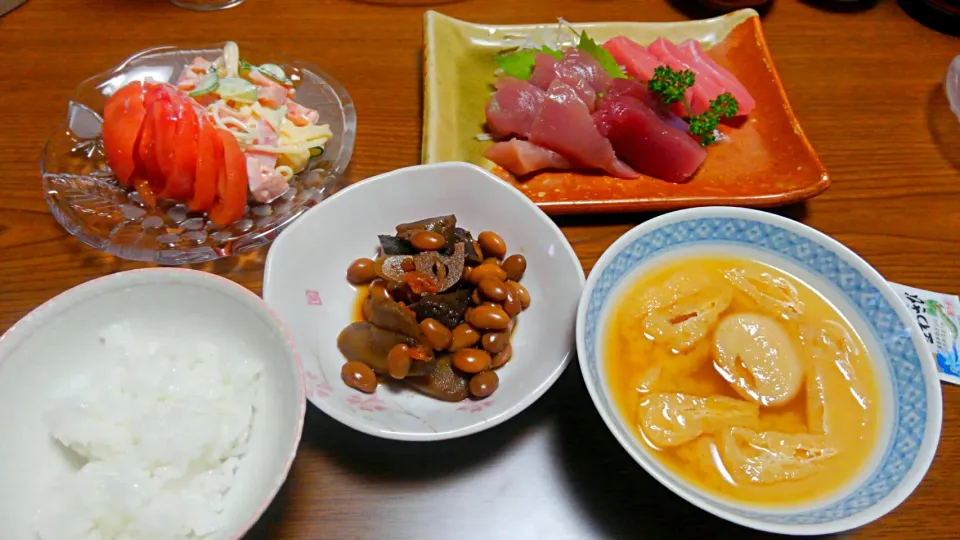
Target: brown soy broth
(629, 357)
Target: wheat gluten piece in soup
(742, 380)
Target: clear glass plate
(952, 86)
(86, 199)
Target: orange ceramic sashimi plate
(766, 162)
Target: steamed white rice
(162, 429)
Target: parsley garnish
(725, 105)
(704, 125)
(671, 86)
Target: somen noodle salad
(227, 131)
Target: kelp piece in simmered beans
(392, 245)
(448, 308)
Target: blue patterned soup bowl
(908, 403)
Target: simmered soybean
(493, 288)
(521, 292)
(471, 360)
(463, 336)
(439, 336)
(398, 361)
(494, 342)
(361, 271)
(492, 245)
(483, 271)
(487, 317)
(483, 384)
(427, 241)
(515, 266)
(359, 376)
(502, 357)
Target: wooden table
(865, 85)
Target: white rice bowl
(152, 404)
(163, 428)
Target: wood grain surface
(865, 84)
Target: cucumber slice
(207, 84)
(316, 151)
(237, 89)
(276, 73)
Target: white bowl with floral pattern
(305, 282)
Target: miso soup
(742, 380)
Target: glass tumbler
(206, 5)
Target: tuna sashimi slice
(638, 90)
(695, 55)
(705, 89)
(514, 107)
(566, 127)
(632, 88)
(547, 69)
(645, 142)
(523, 157)
(635, 59)
(589, 68)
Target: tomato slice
(209, 163)
(117, 102)
(165, 140)
(146, 148)
(184, 169)
(231, 182)
(123, 117)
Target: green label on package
(938, 316)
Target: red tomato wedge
(209, 163)
(146, 148)
(165, 117)
(231, 183)
(184, 170)
(123, 117)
